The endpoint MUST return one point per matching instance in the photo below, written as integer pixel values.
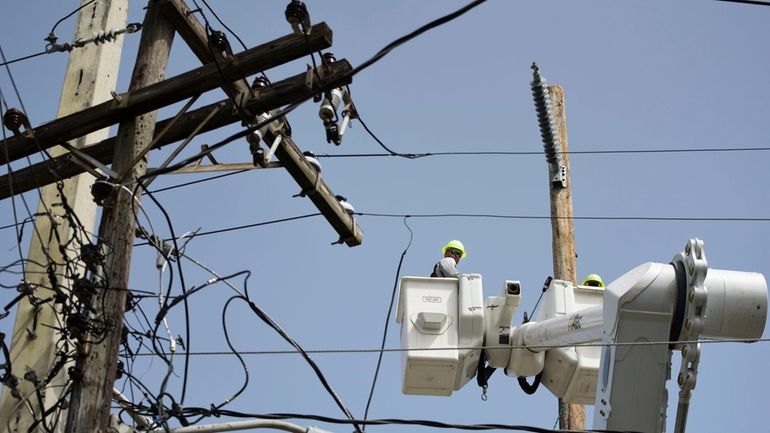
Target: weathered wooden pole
(552, 119)
(90, 404)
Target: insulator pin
(14, 119)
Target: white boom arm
(638, 319)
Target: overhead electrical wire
(341, 351)
(205, 179)
(222, 23)
(53, 29)
(182, 284)
(319, 374)
(472, 215)
(748, 2)
(20, 59)
(390, 152)
(395, 421)
(244, 226)
(540, 153)
(51, 38)
(409, 36)
(476, 153)
(578, 218)
(387, 320)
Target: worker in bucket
(453, 251)
(593, 280)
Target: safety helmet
(593, 280)
(456, 245)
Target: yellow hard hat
(456, 245)
(593, 280)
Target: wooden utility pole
(571, 416)
(552, 119)
(91, 74)
(96, 327)
(90, 405)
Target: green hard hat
(593, 280)
(456, 245)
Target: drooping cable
(141, 185)
(748, 2)
(205, 179)
(53, 29)
(245, 226)
(387, 320)
(270, 322)
(539, 153)
(408, 37)
(20, 59)
(399, 421)
(375, 138)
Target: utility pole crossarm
(167, 92)
(274, 95)
(315, 188)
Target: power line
(440, 349)
(51, 37)
(408, 37)
(69, 15)
(206, 179)
(387, 319)
(586, 218)
(245, 226)
(480, 153)
(388, 421)
(20, 59)
(539, 153)
(469, 215)
(748, 2)
(220, 22)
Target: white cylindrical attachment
(345, 122)
(582, 326)
(329, 105)
(499, 312)
(271, 152)
(736, 305)
(522, 361)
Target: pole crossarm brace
(214, 168)
(170, 91)
(278, 94)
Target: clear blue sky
(638, 75)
